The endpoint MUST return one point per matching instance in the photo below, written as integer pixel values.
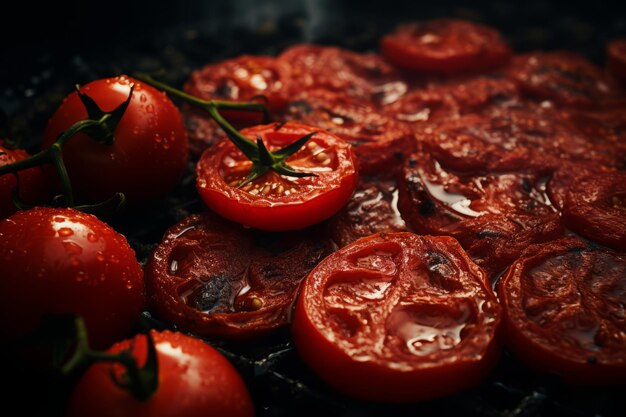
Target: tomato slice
(273, 201)
(445, 45)
(378, 142)
(596, 208)
(372, 209)
(563, 77)
(494, 216)
(566, 176)
(215, 278)
(398, 317)
(364, 76)
(564, 311)
(616, 58)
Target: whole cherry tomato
(445, 45)
(32, 185)
(215, 278)
(398, 317)
(273, 201)
(150, 149)
(62, 261)
(194, 380)
(564, 311)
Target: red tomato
(563, 311)
(564, 77)
(32, 183)
(566, 176)
(398, 317)
(595, 207)
(616, 58)
(215, 278)
(195, 380)
(378, 142)
(275, 202)
(150, 149)
(62, 261)
(445, 45)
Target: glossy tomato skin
(33, 187)
(563, 303)
(397, 317)
(195, 380)
(274, 202)
(62, 261)
(150, 149)
(216, 278)
(445, 46)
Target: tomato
(398, 317)
(275, 202)
(563, 77)
(62, 261)
(566, 176)
(445, 45)
(372, 209)
(564, 311)
(495, 216)
(33, 187)
(195, 380)
(150, 149)
(362, 76)
(616, 58)
(595, 207)
(215, 278)
(378, 142)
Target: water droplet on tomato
(157, 138)
(114, 260)
(72, 248)
(80, 276)
(150, 108)
(143, 98)
(59, 219)
(100, 256)
(92, 237)
(65, 232)
(129, 285)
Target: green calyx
(262, 159)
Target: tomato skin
(150, 149)
(62, 261)
(33, 187)
(616, 58)
(561, 311)
(195, 380)
(321, 196)
(445, 46)
(356, 343)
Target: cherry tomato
(616, 58)
(564, 311)
(62, 261)
(563, 77)
(363, 76)
(595, 207)
(33, 187)
(372, 209)
(215, 278)
(150, 149)
(445, 45)
(398, 317)
(195, 380)
(275, 202)
(378, 142)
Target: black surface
(46, 51)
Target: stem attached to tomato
(141, 382)
(262, 159)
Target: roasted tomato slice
(372, 209)
(564, 311)
(215, 278)
(563, 77)
(596, 208)
(273, 201)
(566, 176)
(378, 142)
(445, 45)
(398, 317)
(616, 58)
(494, 216)
(32, 185)
(365, 76)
